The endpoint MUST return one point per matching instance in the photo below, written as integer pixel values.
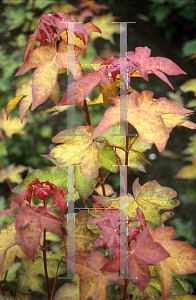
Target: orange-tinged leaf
(44, 81)
(145, 114)
(78, 149)
(95, 282)
(12, 173)
(182, 258)
(108, 189)
(48, 62)
(92, 27)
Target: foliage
(118, 235)
(169, 15)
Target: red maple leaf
(80, 89)
(34, 220)
(142, 62)
(43, 189)
(50, 24)
(143, 252)
(110, 235)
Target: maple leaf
(59, 199)
(189, 86)
(182, 258)
(12, 173)
(78, 149)
(51, 24)
(95, 282)
(144, 113)
(150, 198)
(12, 125)
(34, 220)
(32, 270)
(67, 291)
(45, 57)
(11, 246)
(187, 172)
(108, 91)
(142, 253)
(172, 120)
(80, 89)
(108, 190)
(107, 28)
(95, 7)
(14, 204)
(142, 62)
(110, 236)
(83, 185)
(81, 232)
(135, 156)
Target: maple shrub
(143, 263)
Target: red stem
(44, 258)
(45, 264)
(55, 280)
(102, 182)
(3, 283)
(54, 243)
(133, 142)
(62, 84)
(125, 289)
(87, 112)
(83, 115)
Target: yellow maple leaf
(12, 173)
(107, 27)
(12, 125)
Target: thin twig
(55, 280)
